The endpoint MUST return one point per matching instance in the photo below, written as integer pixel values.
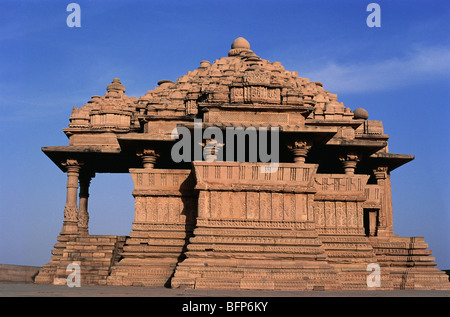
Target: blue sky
(400, 73)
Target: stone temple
(321, 220)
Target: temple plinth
(246, 176)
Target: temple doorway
(370, 222)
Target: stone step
(213, 276)
(158, 234)
(252, 256)
(156, 242)
(85, 270)
(94, 255)
(262, 249)
(91, 243)
(351, 256)
(99, 239)
(255, 240)
(152, 248)
(343, 239)
(254, 232)
(347, 246)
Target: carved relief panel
(164, 196)
(233, 190)
(339, 202)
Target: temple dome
(361, 113)
(239, 45)
(116, 85)
(240, 42)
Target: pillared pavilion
(320, 220)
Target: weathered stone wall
(18, 273)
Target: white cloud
(420, 65)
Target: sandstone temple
(320, 220)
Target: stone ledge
(17, 273)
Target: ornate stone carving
(148, 157)
(83, 220)
(71, 213)
(70, 223)
(256, 77)
(300, 149)
(113, 111)
(380, 172)
(349, 161)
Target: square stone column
(385, 216)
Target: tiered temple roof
(241, 89)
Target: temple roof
(241, 78)
(211, 83)
(240, 89)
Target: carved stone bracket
(380, 172)
(349, 161)
(300, 149)
(148, 157)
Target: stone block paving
(34, 290)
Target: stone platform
(34, 290)
(10, 273)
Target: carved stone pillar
(148, 157)
(349, 161)
(385, 215)
(83, 214)
(70, 223)
(300, 149)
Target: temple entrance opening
(111, 204)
